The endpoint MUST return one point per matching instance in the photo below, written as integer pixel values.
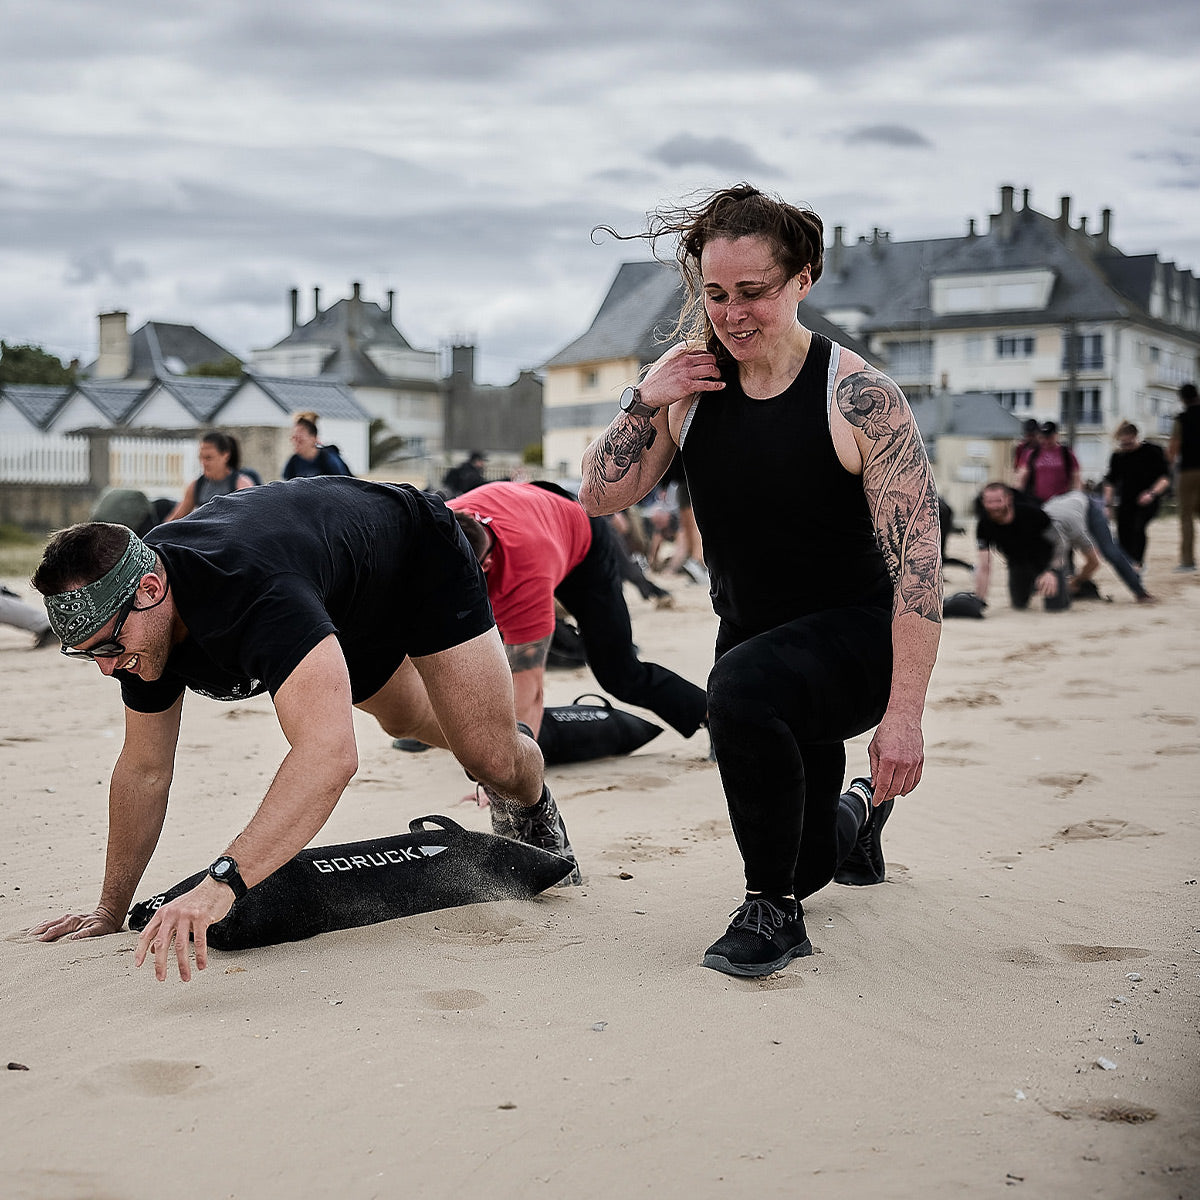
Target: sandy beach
(1014, 1012)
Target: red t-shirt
(540, 537)
(1052, 468)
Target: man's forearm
(303, 793)
(137, 806)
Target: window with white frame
(1087, 407)
(1016, 402)
(1088, 351)
(910, 359)
(1015, 345)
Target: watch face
(223, 867)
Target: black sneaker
(764, 936)
(540, 825)
(864, 864)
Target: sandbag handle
(417, 824)
(604, 700)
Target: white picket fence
(157, 464)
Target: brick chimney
(115, 359)
(1002, 222)
(1064, 216)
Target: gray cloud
(888, 135)
(101, 266)
(725, 154)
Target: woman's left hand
(897, 754)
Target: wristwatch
(631, 402)
(225, 870)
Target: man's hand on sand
(186, 919)
(78, 925)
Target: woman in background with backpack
(220, 461)
(311, 458)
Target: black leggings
(781, 705)
(592, 594)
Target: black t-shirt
(1023, 540)
(1132, 472)
(261, 576)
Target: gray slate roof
(158, 343)
(37, 402)
(350, 326)
(965, 414)
(330, 398)
(890, 281)
(200, 395)
(113, 397)
(640, 310)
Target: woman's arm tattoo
(900, 490)
(619, 448)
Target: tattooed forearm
(620, 448)
(899, 486)
(528, 656)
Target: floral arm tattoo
(619, 448)
(528, 656)
(901, 495)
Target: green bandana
(81, 613)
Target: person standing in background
(1184, 453)
(311, 457)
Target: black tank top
(785, 526)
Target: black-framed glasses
(110, 648)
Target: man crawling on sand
(330, 594)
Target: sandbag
(360, 883)
(579, 732)
(963, 604)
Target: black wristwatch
(225, 870)
(631, 402)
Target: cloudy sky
(193, 163)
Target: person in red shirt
(1050, 470)
(536, 544)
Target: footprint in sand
(1173, 751)
(453, 999)
(1066, 783)
(1078, 953)
(148, 1077)
(1035, 722)
(967, 700)
(1105, 827)
(1033, 652)
(1171, 718)
(634, 849)
(1108, 1110)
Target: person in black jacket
(1139, 476)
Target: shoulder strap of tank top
(835, 355)
(687, 419)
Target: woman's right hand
(680, 374)
(77, 925)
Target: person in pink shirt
(1049, 470)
